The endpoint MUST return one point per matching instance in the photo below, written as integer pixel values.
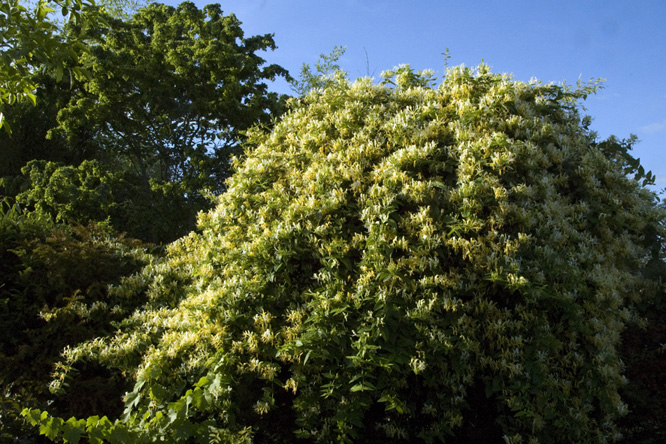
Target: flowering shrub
(403, 262)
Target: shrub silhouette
(403, 262)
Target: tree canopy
(172, 89)
(32, 40)
(29, 40)
(167, 97)
(399, 261)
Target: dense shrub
(91, 192)
(70, 194)
(398, 262)
(643, 351)
(55, 293)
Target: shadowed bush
(55, 293)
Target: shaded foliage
(91, 192)
(55, 293)
(644, 354)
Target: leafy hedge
(93, 193)
(403, 262)
(55, 293)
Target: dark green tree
(166, 100)
(171, 92)
(30, 138)
(75, 195)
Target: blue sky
(623, 42)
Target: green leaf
(33, 416)
(119, 435)
(362, 387)
(51, 427)
(32, 97)
(71, 433)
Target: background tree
(167, 97)
(171, 92)
(75, 195)
(323, 75)
(398, 261)
(30, 139)
(30, 40)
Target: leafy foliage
(644, 354)
(399, 262)
(170, 93)
(76, 195)
(30, 40)
(91, 193)
(324, 74)
(30, 127)
(165, 100)
(55, 293)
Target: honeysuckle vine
(394, 260)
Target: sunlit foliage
(30, 39)
(399, 262)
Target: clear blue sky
(623, 42)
